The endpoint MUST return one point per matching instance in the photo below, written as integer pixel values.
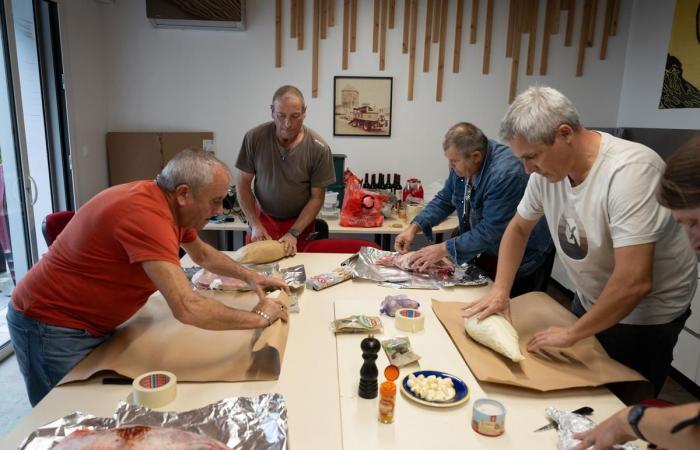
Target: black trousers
(536, 281)
(648, 349)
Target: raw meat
(441, 270)
(138, 438)
(207, 280)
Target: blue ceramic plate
(461, 390)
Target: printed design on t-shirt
(572, 236)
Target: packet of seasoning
(393, 303)
(328, 279)
(399, 351)
(357, 324)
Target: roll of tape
(155, 389)
(409, 319)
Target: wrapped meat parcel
(139, 438)
(496, 333)
(259, 252)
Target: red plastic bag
(361, 208)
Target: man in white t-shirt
(628, 259)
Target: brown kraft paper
(154, 340)
(584, 364)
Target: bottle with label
(387, 395)
(365, 185)
(397, 188)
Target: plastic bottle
(387, 395)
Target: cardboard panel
(172, 143)
(133, 156)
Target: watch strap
(294, 232)
(634, 416)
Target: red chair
(338, 245)
(54, 223)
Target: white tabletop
(319, 380)
(392, 225)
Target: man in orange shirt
(120, 247)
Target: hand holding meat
(441, 269)
(424, 259)
(494, 302)
(274, 309)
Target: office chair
(54, 223)
(338, 245)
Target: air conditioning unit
(199, 14)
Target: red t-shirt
(91, 278)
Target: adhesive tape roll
(409, 319)
(155, 389)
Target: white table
(320, 374)
(391, 227)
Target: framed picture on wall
(362, 106)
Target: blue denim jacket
(497, 190)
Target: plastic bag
(361, 208)
(393, 303)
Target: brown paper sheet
(584, 364)
(154, 340)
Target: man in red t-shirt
(118, 249)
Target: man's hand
(261, 283)
(290, 244)
(259, 233)
(614, 430)
(552, 337)
(422, 259)
(405, 239)
(496, 301)
(275, 310)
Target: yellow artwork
(681, 87)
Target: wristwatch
(294, 232)
(633, 418)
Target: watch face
(294, 232)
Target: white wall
(649, 36)
(158, 79)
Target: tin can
(488, 417)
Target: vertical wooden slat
(382, 34)
(346, 32)
(392, 13)
(592, 15)
(607, 23)
(412, 47)
(324, 18)
(315, 45)
(583, 37)
(615, 15)
(375, 27)
(458, 37)
(331, 13)
(353, 25)
(428, 31)
(301, 9)
(278, 33)
(549, 12)
(570, 16)
(512, 13)
(293, 19)
(441, 50)
(436, 21)
(406, 25)
(486, 64)
(533, 6)
(475, 22)
(515, 64)
(556, 17)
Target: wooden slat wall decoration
(428, 31)
(441, 50)
(436, 21)
(278, 33)
(458, 37)
(475, 22)
(382, 34)
(523, 18)
(486, 63)
(406, 25)
(412, 46)
(353, 25)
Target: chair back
(54, 223)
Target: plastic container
(387, 395)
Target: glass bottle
(365, 185)
(373, 184)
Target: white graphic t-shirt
(614, 207)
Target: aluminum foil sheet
(295, 277)
(366, 267)
(570, 423)
(239, 422)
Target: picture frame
(362, 106)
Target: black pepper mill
(368, 373)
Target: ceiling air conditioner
(200, 14)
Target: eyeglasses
(295, 117)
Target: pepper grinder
(368, 373)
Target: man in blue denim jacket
(484, 187)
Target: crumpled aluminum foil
(239, 422)
(366, 267)
(570, 423)
(295, 277)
